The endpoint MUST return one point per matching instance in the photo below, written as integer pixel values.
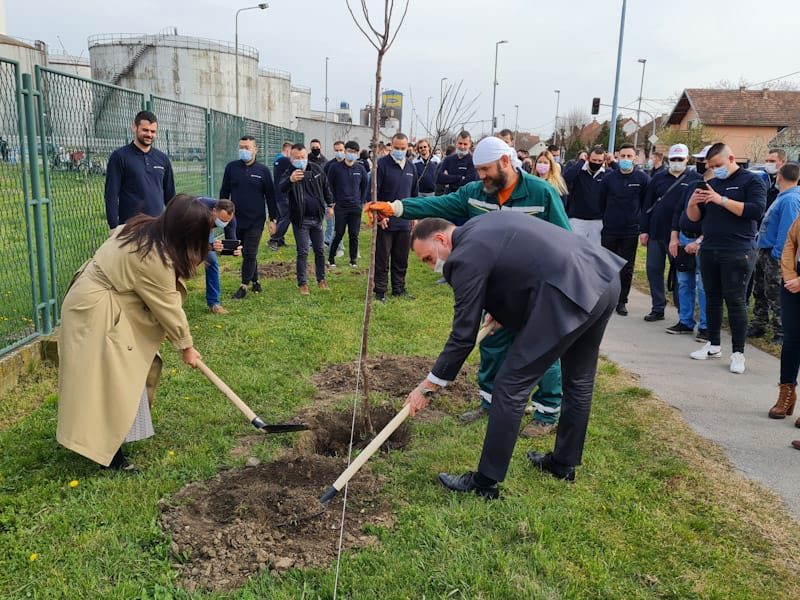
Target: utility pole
(494, 86)
(325, 137)
(613, 132)
(639, 108)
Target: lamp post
(325, 136)
(639, 108)
(614, 104)
(261, 6)
(555, 121)
(494, 86)
(441, 108)
(516, 122)
(428, 117)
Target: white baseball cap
(703, 152)
(678, 151)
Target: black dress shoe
(466, 483)
(239, 293)
(545, 462)
(256, 287)
(381, 298)
(622, 310)
(404, 294)
(654, 316)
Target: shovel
(246, 411)
(382, 436)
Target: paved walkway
(719, 405)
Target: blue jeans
(725, 277)
(212, 279)
(657, 256)
(329, 228)
(309, 231)
(688, 282)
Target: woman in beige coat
(119, 308)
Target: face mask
(398, 155)
(701, 167)
(542, 168)
(676, 166)
(315, 151)
(300, 164)
(594, 167)
(339, 155)
(350, 156)
(557, 159)
(720, 172)
(436, 158)
(771, 168)
(219, 223)
(462, 153)
(626, 164)
(245, 155)
(439, 266)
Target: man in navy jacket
(621, 197)
(457, 169)
(348, 182)
(397, 178)
(583, 180)
(557, 300)
(279, 166)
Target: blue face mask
(350, 156)
(398, 154)
(245, 155)
(220, 223)
(720, 172)
(300, 164)
(557, 159)
(626, 164)
(339, 155)
(462, 153)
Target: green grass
(655, 513)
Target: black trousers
(251, 238)
(623, 246)
(394, 246)
(350, 218)
(523, 369)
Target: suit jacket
(521, 271)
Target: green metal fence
(52, 208)
(182, 136)
(17, 288)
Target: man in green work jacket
(502, 186)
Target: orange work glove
(383, 209)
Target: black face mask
(315, 152)
(595, 167)
(701, 167)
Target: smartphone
(702, 186)
(229, 246)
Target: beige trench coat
(113, 320)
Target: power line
(774, 79)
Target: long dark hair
(179, 235)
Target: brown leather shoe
(323, 285)
(303, 290)
(536, 428)
(217, 310)
(787, 396)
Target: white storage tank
(189, 69)
(275, 97)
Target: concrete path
(724, 407)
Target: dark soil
(279, 270)
(247, 521)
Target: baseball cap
(678, 151)
(703, 152)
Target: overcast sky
(570, 45)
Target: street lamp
(494, 87)
(428, 117)
(639, 108)
(325, 136)
(615, 103)
(261, 6)
(555, 126)
(516, 122)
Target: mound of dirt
(279, 270)
(245, 521)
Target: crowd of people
(745, 222)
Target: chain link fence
(74, 127)
(182, 136)
(17, 292)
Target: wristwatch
(724, 200)
(426, 392)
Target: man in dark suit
(557, 299)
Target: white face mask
(220, 223)
(676, 166)
(439, 266)
(770, 168)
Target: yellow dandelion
(171, 453)
(218, 326)
(173, 371)
(73, 483)
(186, 397)
(272, 341)
(34, 556)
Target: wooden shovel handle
(222, 387)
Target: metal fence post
(210, 154)
(36, 201)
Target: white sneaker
(709, 351)
(737, 362)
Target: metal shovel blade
(280, 428)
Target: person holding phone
(728, 211)
(222, 211)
